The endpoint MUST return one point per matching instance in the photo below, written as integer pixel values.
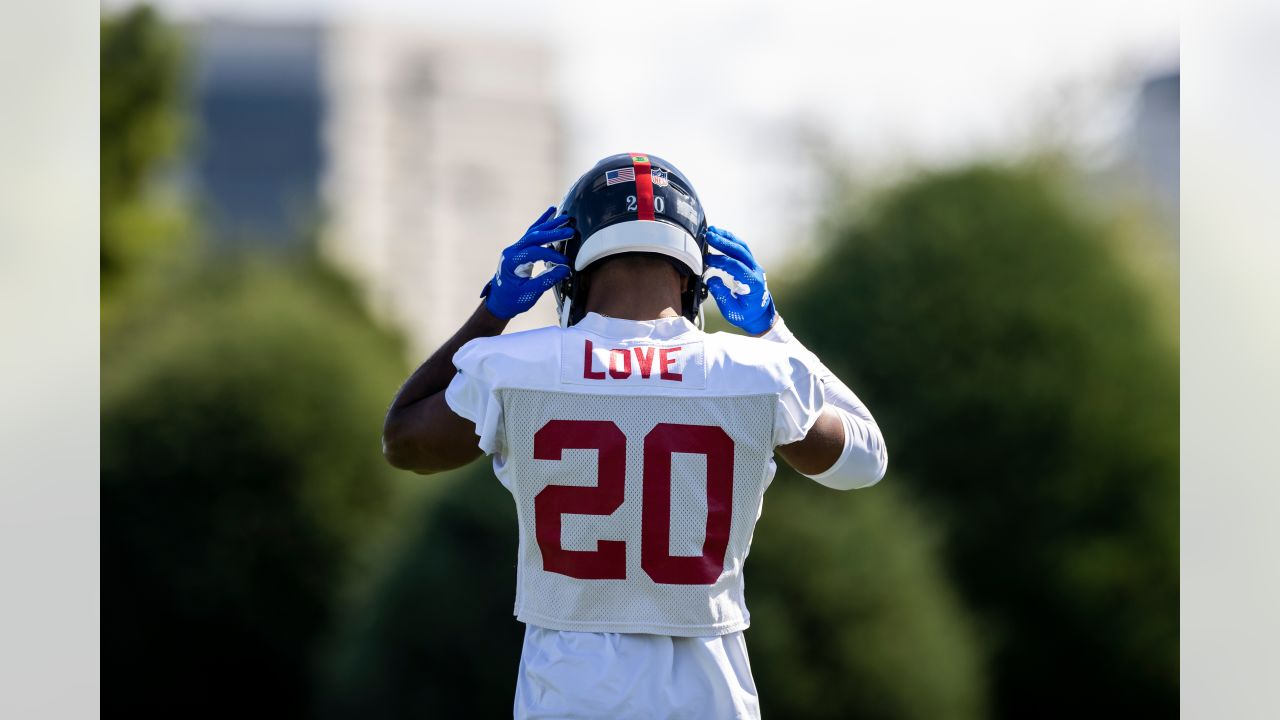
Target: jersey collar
(660, 329)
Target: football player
(637, 447)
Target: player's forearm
(867, 458)
(427, 437)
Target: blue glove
(513, 288)
(744, 300)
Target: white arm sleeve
(864, 459)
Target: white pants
(627, 675)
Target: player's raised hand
(514, 288)
(737, 283)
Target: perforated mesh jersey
(624, 595)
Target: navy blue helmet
(632, 203)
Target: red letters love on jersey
(620, 365)
(601, 362)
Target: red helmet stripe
(644, 186)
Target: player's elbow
(870, 465)
(395, 453)
(428, 449)
(402, 458)
(402, 453)
(866, 471)
(855, 472)
(864, 460)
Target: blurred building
(443, 149)
(417, 156)
(1143, 173)
(1154, 142)
(258, 104)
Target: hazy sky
(717, 87)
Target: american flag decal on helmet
(621, 175)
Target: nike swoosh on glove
(514, 288)
(744, 300)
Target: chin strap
(564, 312)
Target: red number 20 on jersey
(608, 560)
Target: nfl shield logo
(659, 177)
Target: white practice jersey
(638, 454)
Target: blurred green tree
(241, 466)
(852, 616)
(436, 636)
(1025, 377)
(140, 127)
